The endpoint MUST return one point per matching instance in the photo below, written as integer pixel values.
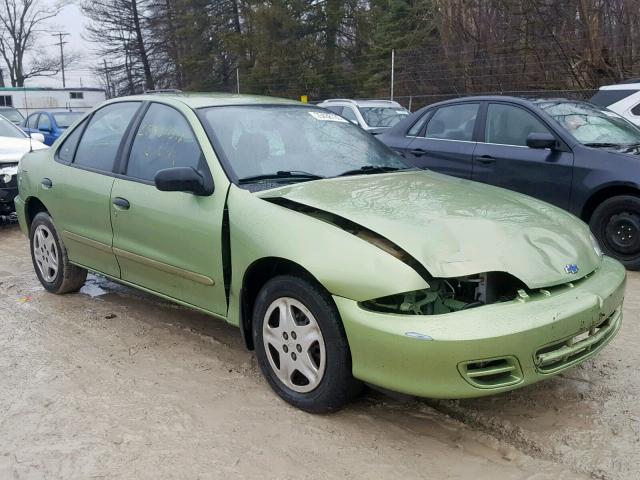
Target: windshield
(12, 115)
(65, 119)
(8, 129)
(382, 116)
(593, 125)
(308, 142)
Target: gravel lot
(111, 383)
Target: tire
(616, 225)
(313, 341)
(50, 260)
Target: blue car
(50, 124)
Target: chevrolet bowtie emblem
(571, 269)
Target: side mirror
(37, 136)
(183, 179)
(541, 140)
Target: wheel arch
(255, 277)
(33, 206)
(606, 193)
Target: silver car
(374, 116)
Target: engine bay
(450, 295)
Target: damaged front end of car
(450, 295)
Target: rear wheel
(50, 259)
(616, 225)
(301, 345)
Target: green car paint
(418, 226)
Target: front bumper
(489, 349)
(8, 189)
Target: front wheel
(50, 260)
(616, 225)
(301, 345)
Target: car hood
(456, 227)
(12, 149)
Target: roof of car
(364, 103)
(526, 101)
(200, 100)
(630, 84)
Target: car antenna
(26, 107)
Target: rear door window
(636, 110)
(164, 140)
(454, 122)
(69, 145)
(511, 125)
(102, 137)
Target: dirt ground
(111, 383)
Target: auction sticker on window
(327, 117)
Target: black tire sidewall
(44, 219)
(598, 223)
(337, 386)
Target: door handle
(418, 152)
(47, 183)
(486, 159)
(122, 203)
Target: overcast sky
(70, 20)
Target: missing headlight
(447, 295)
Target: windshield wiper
(281, 175)
(367, 169)
(603, 145)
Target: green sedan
(338, 263)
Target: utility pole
(393, 65)
(238, 79)
(60, 36)
(106, 74)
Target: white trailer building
(34, 98)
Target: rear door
(168, 242)
(77, 187)
(503, 158)
(447, 143)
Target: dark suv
(573, 154)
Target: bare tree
(21, 20)
(120, 28)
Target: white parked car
(375, 116)
(14, 143)
(622, 98)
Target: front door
(168, 242)
(447, 144)
(45, 128)
(76, 188)
(504, 159)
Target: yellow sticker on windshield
(327, 117)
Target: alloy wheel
(294, 344)
(45, 252)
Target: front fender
(344, 264)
